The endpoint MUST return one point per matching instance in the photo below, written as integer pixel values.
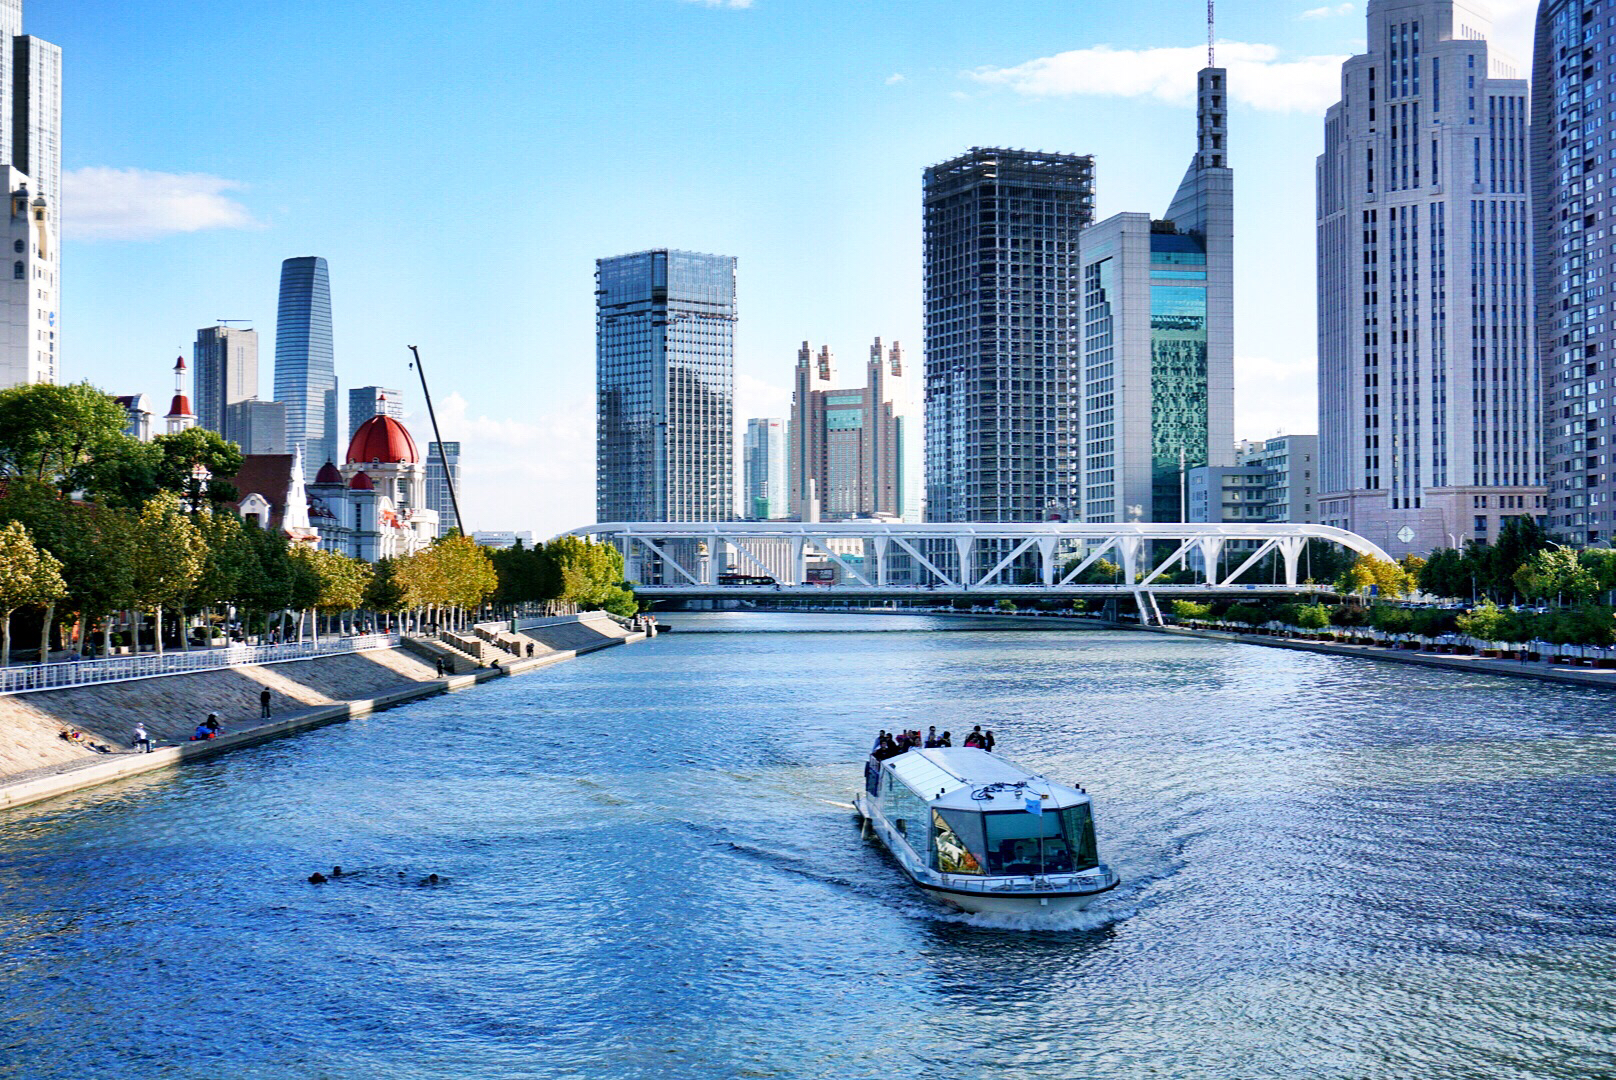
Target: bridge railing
(36, 677)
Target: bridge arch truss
(694, 559)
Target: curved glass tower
(305, 368)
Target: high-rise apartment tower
(848, 452)
(1573, 213)
(31, 157)
(305, 366)
(665, 387)
(1429, 413)
(1001, 293)
(763, 461)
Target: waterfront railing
(35, 677)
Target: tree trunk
(5, 640)
(157, 631)
(45, 633)
(106, 636)
(185, 637)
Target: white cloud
(537, 473)
(722, 3)
(100, 203)
(1257, 75)
(1326, 12)
(1275, 397)
(896, 78)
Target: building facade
(443, 469)
(1429, 403)
(665, 387)
(848, 448)
(1156, 378)
(258, 427)
(763, 460)
(1001, 295)
(367, 401)
(1291, 465)
(305, 364)
(31, 157)
(374, 506)
(1573, 262)
(224, 364)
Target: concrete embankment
(37, 763)
(1544, 671)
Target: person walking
(263, 703)
(140, 740)
(438, 660)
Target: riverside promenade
(37, 763)
(1544, 670)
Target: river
(1332, 868)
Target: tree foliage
(28, 576)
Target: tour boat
(984, 834)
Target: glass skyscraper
(665, 387)
(1157, 373)
(225, 371)
(442, 469)
(765, 463)
(367, 401)
(305, 367)
(1001, 292)
(1429, 405)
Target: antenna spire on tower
(1211, 57)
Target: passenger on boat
(885, 748)
(988, 741)
(975, 738)
(879, 738)
(931, 738)
(946, 739)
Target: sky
(462, 166)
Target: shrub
(1314, 616)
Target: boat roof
(949, 777)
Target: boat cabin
(966, 811)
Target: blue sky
(461, 166)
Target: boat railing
(1085, 880)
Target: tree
(1314, 616)
(341, 581)
(167, 555)
(580, 571)
(1390, 578)
(266, 587)
(1189, 609)
(1601, 562)
(1554, 574)
(28, 575)
(186, 457)
(382, 592)
(1395, 621)
(1484, 622)
(48, 433)
(1444, 574)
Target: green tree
(1394, 621)
(48, 433)
(340, 581)
(1189, 609)
(266, 587)
(1314, 616)
(382, 592)
(167, 555)
(579, 571)
(1557, 574)
(28, 576)
(229, 560)
(1484, 622)
(195, 464)
(1444, 574)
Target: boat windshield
(1016, 843)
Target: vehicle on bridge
(982, 834)
(746, 579)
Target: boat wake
(1088, 920)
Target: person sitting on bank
(212, 724)
(201, 733)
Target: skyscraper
(1002, 290)
(1572, 201)
(764, 465)
(442, 469)
(259, 427)
(367, 401)
(847, 452)
(31, 157)
(226, 371)
(1429, 415)
(665, 387)
(1157, 325)
(305, 367)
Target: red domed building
(374, 506)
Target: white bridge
(737, 559)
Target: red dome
(361, 482)
(385, 440)
(328, 474)
(181, 406)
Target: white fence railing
(23, 680)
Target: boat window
(1054, 842)
(955, 855)
(908, 813)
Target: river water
(1332, 868)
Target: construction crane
(227, 322)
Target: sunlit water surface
(1333, 868)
